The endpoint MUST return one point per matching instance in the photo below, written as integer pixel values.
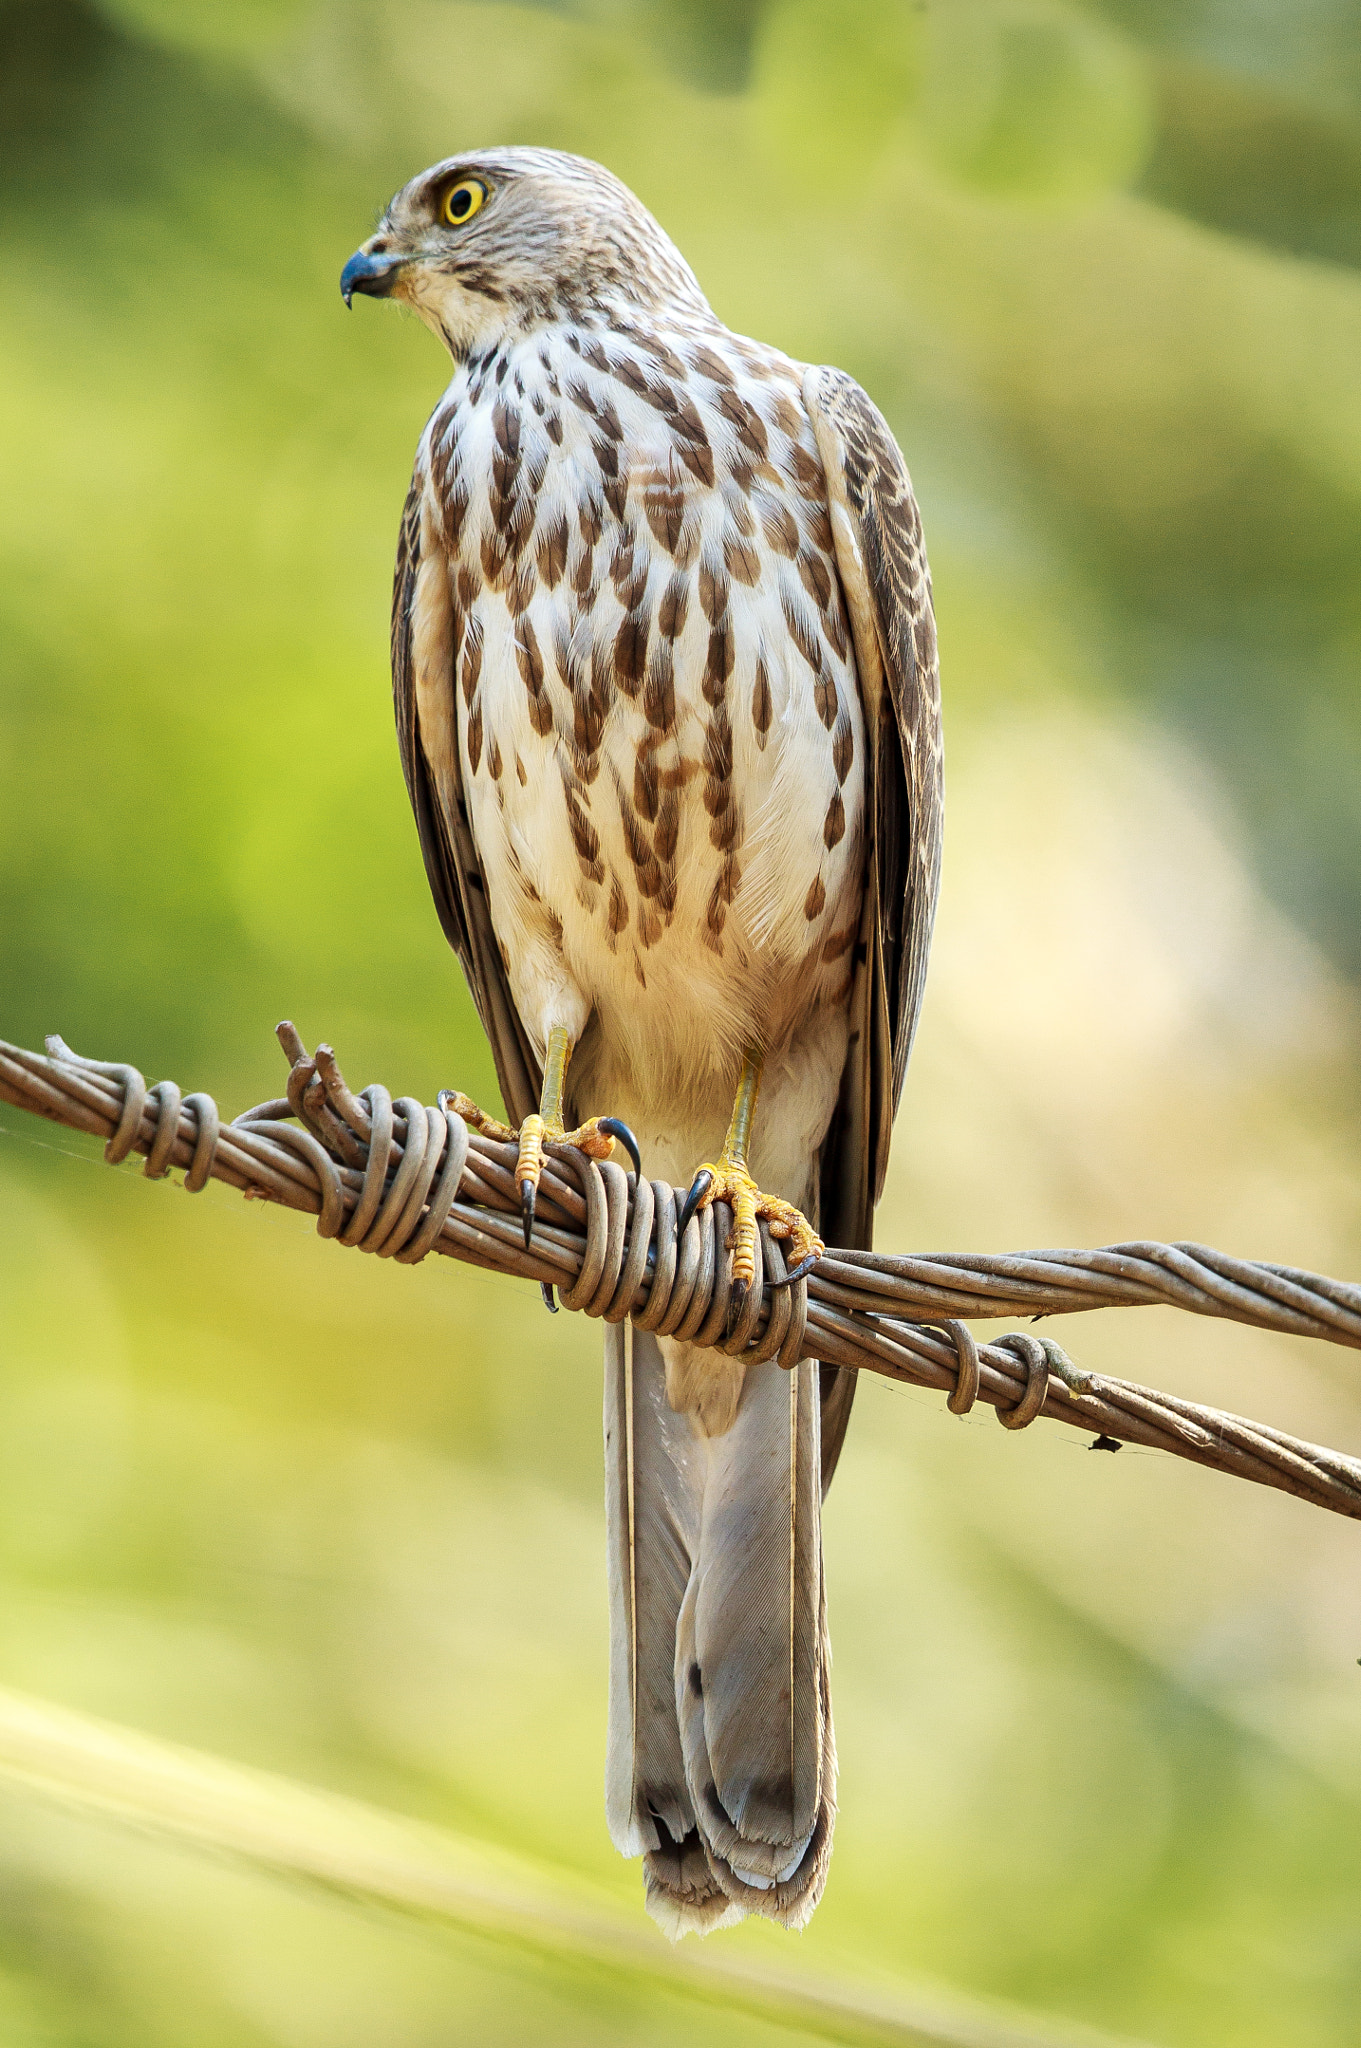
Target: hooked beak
(371, 272)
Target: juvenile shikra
(664, 667)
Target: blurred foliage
(1097, 1720)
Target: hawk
(664, 669)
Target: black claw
(528, 1192)
(699, 1187)
(547, 1292)
(617, 1128)
(799, 1272)
(445, 1097)
(735, 1301)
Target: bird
(667, 697)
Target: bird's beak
(372, 273)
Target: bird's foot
(596, 1138)
(728, 1180)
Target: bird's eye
(463, 200)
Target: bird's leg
(728, 1180)
(595, 1137)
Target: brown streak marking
(713, 367)
(619, 909)
(552, 555)
(834, 826)
(493, 554)
(741, 560)
(786, 417)
(761, 709)
(616, 491)
(520, 771)
(585, 838)
(819, 529)
(646, 873)
(455, 510)
(528, 656)
(815, 579)
(780, 529)
(667, 833)
(664, 504)
(750, 429)
(806, 471)
(843, 750)
(713, 593)
(719, 662)
(718, 763)
(802, 633)
(839, 943)
(659, 696)
(472, 657)
(826, 700)
(815, 901)
(629, 576)
(590, 519)
(475, 737)
(673, 607)
(687, 546)
(630, 652)
(646, 792)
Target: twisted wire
(400, 1180)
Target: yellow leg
(595, 1137)
(729, 1180)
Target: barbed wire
(401, 1179)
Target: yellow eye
(463, 200)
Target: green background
(1098, 1717)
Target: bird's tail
(721, 1768)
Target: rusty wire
(400, 1180)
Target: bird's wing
(882, 563)
(423, 668)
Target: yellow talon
(728, 1180)
(596, 1137)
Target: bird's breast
(662, 749)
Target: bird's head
(505, 240)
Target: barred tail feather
(721, 1765)
(653, 1492)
